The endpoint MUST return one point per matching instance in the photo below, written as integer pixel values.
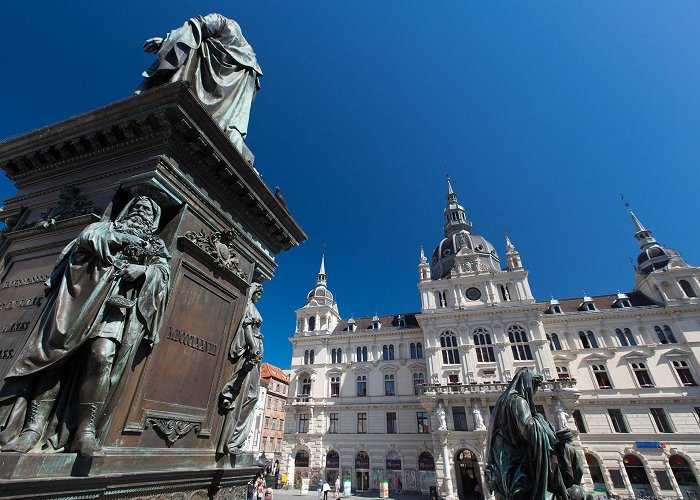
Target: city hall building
(407, 398)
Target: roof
(271, 371)
(388, 321)
(637, 299)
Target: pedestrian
(268, 494)
(337, 485)
(260, 487)
(326, 489)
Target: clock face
(473, 293)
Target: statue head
(255, 292)
(141, 217)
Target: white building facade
(407, 398)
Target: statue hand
(130, 239)
(152, 45)
(132, 272)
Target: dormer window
(401, 321)
(351, 325)
(621, 301)
(587, 305)
(554, 307)
(557, 310)
(376, 324)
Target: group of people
(326, 488)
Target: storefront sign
(393, 464)
(332, 461)
(362, 462)
(426, 462)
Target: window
(642, 374)
(309, 357)
(484, 349)
(274, 404)
(362, 385)
(303, 423)
(554, 342)
(423, 422)
(362, 354)
(459, 418)
(596, 472)
(635, 470)
(333, 423)
(601, 376)
(618, 420)
(335, 386)
(682, 471)
(665, 335)
(418, 380)
(305, 388)
(683, 371)
(389, 385)
(519, 344)
(588, 340)
(505, 295)
(625, 337)
(563, 373)
(281, 424)
(312, 323)
(416, 350)
(687, 289)
(388, 352)
(441, 299)
(661, 420)
(450, 353)
(391, 422)
(267, 422)
(337, 355)
(578, 420)
(617, 480)
(274, 424)
(362, 423)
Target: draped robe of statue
(84, 278)
(521, 442)
(240, 395)
(211, 54)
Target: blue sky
(542, 112)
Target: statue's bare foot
(87, 446)
(24, 442)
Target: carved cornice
(172, 429)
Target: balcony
(491, 388)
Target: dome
(652, 258)
(321, 295)
(444, 254)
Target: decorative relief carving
(172, 429)
(71, 204)
(219, 246)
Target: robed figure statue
(211, 54)
(240, 394)
(107, 293)
(521, 442)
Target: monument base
(65, 475)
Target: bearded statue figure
(107, 293)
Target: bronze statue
(211, 54)
(107, 292)
(240, 394)
(521, 442)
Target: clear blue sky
(542, 112)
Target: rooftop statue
(211, 54)
(107, 293)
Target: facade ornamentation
(173, 429)
(219, 246)
(71, 204)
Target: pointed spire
(509, 245)
(642, 234)
(455, 215)
(423, 259)
(321, 277)
(323, 264)
(451, 196)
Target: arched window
(388, 352)
(332, 460)
(418, 380)
(596, 472)
(588, 340)
(362, 460)
(312, 323)
(484, 349)
(635, 471)
(601, 376)
(665, 335)
(301, 459)
(389, 385)
(555, 342)
(419, 350)
(519, 343)
(335, 386)
(362, 354)
(309, 357)
(682, 471)
(413, 350)
(687, 289)
(305, 388)
(450, 353)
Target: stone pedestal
(222, 226)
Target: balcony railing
(490, 387)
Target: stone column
(446, 472)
